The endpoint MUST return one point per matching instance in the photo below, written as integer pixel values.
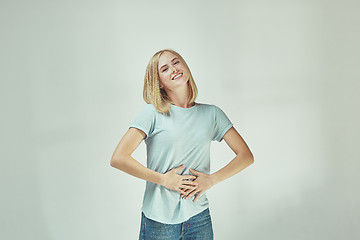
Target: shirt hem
(224, 131)
(140, 128)
(154, 218)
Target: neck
(179, 97)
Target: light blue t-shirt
(182, 136)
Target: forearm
(129, 165)
(236, 165)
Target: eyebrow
(166, 64)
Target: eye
(176, 62)
(164, 70)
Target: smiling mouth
(177, 76)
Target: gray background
(285, 73)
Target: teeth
(177, 76)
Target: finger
(187, 187)
(180, 190)
(192, 183)
(197, 196)
(184, 177)
(192, 193)
(195, 172)
(178, 168)
(187, 191)
(188, 196)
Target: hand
(204, 182)
(178, 182)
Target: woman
(177, 132)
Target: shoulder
(147, 110)
(148, 107)
(205, 105)
(208, 107)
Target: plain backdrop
(285, 73)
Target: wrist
(214, 179)
(161, 179)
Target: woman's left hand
(204, 181)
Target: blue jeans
(198, 227)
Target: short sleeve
(145, 120)
(222, 124)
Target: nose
(173, 69)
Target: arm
(122, 160)
(242, 160)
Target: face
(172, 71)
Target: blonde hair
(152, 92)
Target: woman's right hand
(178, 182)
